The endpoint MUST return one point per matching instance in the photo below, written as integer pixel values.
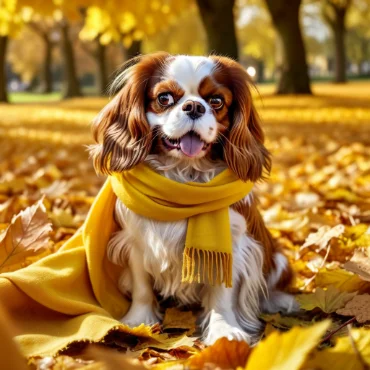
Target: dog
(190, 118)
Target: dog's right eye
(165, 99)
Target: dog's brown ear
(121, 130)
(244, 151)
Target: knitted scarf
(208, 247)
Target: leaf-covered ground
(316, 204)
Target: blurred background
(66, 48)
(310, 60)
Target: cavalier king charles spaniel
(190, 118)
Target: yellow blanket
(72, 295)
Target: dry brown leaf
(28, 233)
(359, 264)
(176, 319)
(359, 307)
(323, 236)
(328, 300)
(224, 354)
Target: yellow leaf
(341, 279)
(327, 300)
(343, 355)
(224, 354)
(288, 350)
(176, 319)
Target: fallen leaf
(279, 219)
(112, 360)
(56, 189)
(28, 233)
(284, 322)
(359, 307)
(167, 342)
(176, 319)
(341, 279)
(343, 356)
(63, 218)
(323, 236)
(224, 354)
(288, 350)
(328, 300)
(359, 264)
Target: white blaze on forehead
(189, 71)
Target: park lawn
(319, 181)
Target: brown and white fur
(162, 100)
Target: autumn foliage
(316, 204)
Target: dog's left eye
(165, 99)
(216, 102)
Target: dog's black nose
(194, 109)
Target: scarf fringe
(203, 266)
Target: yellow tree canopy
(10, 18)
(116, 21)
(185, 36)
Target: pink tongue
(191, 145)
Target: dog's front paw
(140, 314)
(221, 329)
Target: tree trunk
(294, 78)
(339, 31)
(134, 50)
(3, 82)
(71, 86)
(260, 70)
(364, 53)
(102, 77)
(47, 83)
(218, 20)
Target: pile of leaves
(316, 205)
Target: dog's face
(188, 106)
(185, 107)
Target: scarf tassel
(204, 266)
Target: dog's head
(185, 107)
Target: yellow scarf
(72, 295)
(208, 247)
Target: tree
(10, 24)
(358, 34)
(294, 78)
(257, 39)
(218, 21)
(98, 53)
(334, 13)
(3, 89)
(71, 86)
(45, 31)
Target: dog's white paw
(222, 329)
(140, 314)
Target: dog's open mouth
(190, 144)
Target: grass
(29, 97)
